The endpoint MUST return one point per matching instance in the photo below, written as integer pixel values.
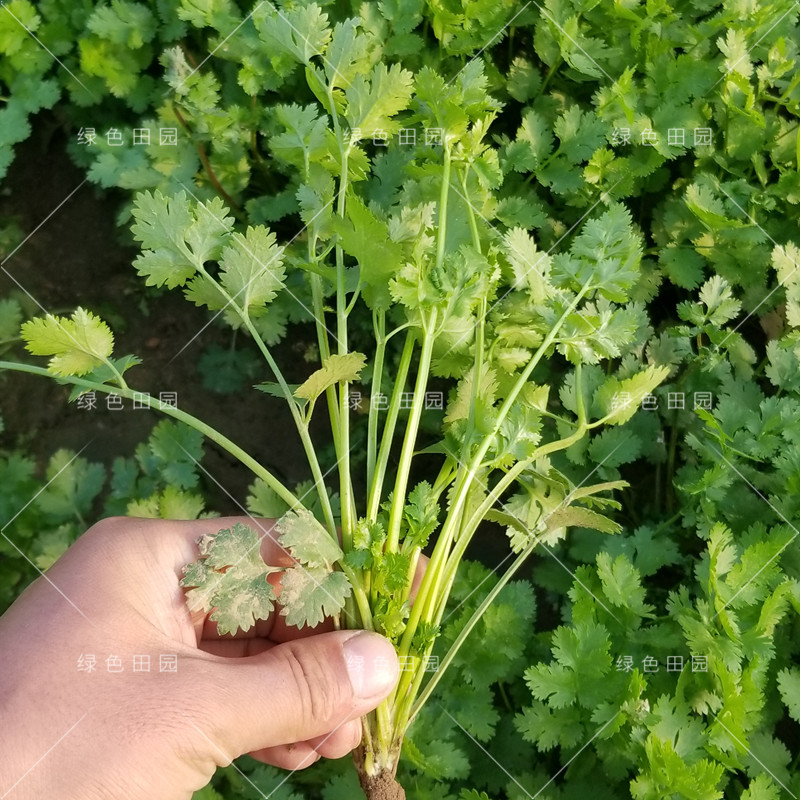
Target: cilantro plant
(608, 219)
(472, 300)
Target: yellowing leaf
(78, 344)
(230, 577)
(335, 368)
(619, 400)
(307, 540)
(309, 594)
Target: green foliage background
(577, 699)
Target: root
(382, 786)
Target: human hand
(285, 696)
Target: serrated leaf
(172, 503)
(620, 399)
(789, 686)
(178, 449)
(230, 577)
(366, 237)
(10, 318)
(307, 540)
(373, 101)
(531, 267)
(309, 594)
(421, 514)
(301, 32)
(177, 235)
(721, 305)
(78, 344)
(622, 584)
(252, 269)
(335, 368)
(786, 262)
(72, 485)
(577, 516)
(533, 143)
(264, 501)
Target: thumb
(296, 690)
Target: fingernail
(372, 665)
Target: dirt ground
(78, 256)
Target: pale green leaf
(309, 594)
(230, 577)
(620, 399)
(252, 269)
(78, 344)
(531, 267)
(307, 541)
(335, 368)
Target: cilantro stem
(324, 352)
(432, 592)
(389, 426)
(343, 452)
(319, 316)
(300, 423)
(468, 531)
(465, 631)
(410, 440)
(362, 601)
(379, 328)
(205, 162)
(182, 416)
(423, 371)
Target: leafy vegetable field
(542, 262)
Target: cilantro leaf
(309, 594)
(366, 237)
(264, 501)
(334, 369)
(78, 344)
(178, 450)
(230, 577)
(252, 269)
(530, 266)
(373, 101)
(421, 514)
(307, 540)
(177, 236)
(789, 686)
(618, 400)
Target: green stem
(182, 416)
(387, 437)
(345, 479)
(302, 428)
(434, 574)
(301, 425)
(410, 439)
(465, 631)
(379, 328)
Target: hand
(285, 696)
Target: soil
(377, 787)
(79, 256)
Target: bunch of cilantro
(649, 150)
